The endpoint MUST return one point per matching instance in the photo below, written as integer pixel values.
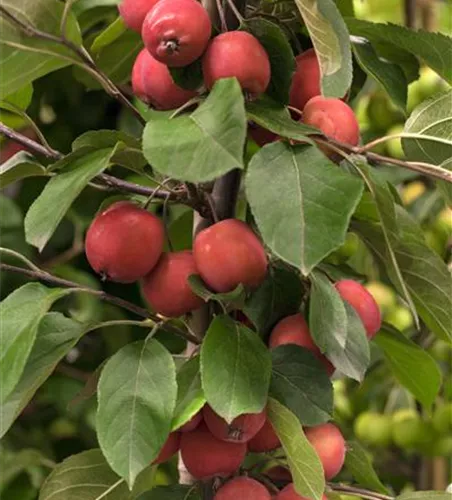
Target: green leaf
(10, 214)
(172, 492)
(235, 297)
(20, 99)
(85, 475)
(82, 6)
(305, 465)
(282, 61)
(425, 495)
(389, 75)
(20, 166)
(431, 122)
(24, 58)
(115, 60)
(299, 382)
(426, 276)
(190, 395)
(358, 463)
(205, 144)
(110, 34)
(385, 205)
(20, 314)
(327, 314)
(235, 369)
(49, 208)
(56, 336)
(413, 367)
(188, 77)
(331, 41)
(272, 116)
(278, 296)
(136, 397)
(435, 49)
(313, 197)
(444, 186)
(352, 360)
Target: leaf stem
(359, 492)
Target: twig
(359, 492)
(235, 11)
(224, 26)
(83, 55)
(410, 13)
(117, 301)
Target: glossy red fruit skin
(334, 118)
(171, 447)
(176, 32)
(289, 493)
(240, 430)
(205, 456)
(329, 445)
(294, 330)
(133, 12)
(306, 79)
(154, 85)
(239, 54)
(265, 440)
(364, 304)
(243, 488)
(192, 424)
(124, 242)
(229, 253)
(166, 287)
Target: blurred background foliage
(410, 449)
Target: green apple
(400, 317)
(442, 446)
(374, 429)
(384, 296)
(406, 428)
(441, 350)
(442, 419)
(62, 428)
(382, 113)
(394, 146)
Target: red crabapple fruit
(305, 80)
(124, 242)
(170, 447)
(133, 12)
(243, 488)
(176, 32)
(289, 493)
(265, 440)
(329, 445)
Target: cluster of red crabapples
(125, 244)
(178, 32)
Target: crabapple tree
(226, 251)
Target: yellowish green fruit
(412, 191)
(374, 429)
(442, 419)
(384, 296)
(400, 317)
(382, 114)
(361, 113)
(414, 96)
(406, 428)
(62, 428)
(441, 350)
(343, 406)
(434, 241)
(442, 446)
(430, 82)
(161, 478)
(394, 146)
(427, 438)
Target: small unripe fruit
(166, 287)
(374, 429)
(407, 428)
(442, 419)
(154, 85)
(243, 488)
(289, 493)
(384, 296)
(334, 118)
(171, 446)
(265, 440)
(205, 456)
(239, 54)
(192, 424)
(124, 242)
(363, 303)
(176, 32)
(229, 253)
(133, 12)
(294, 330)
(240, 430)
(306, 79)
(329, 445)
